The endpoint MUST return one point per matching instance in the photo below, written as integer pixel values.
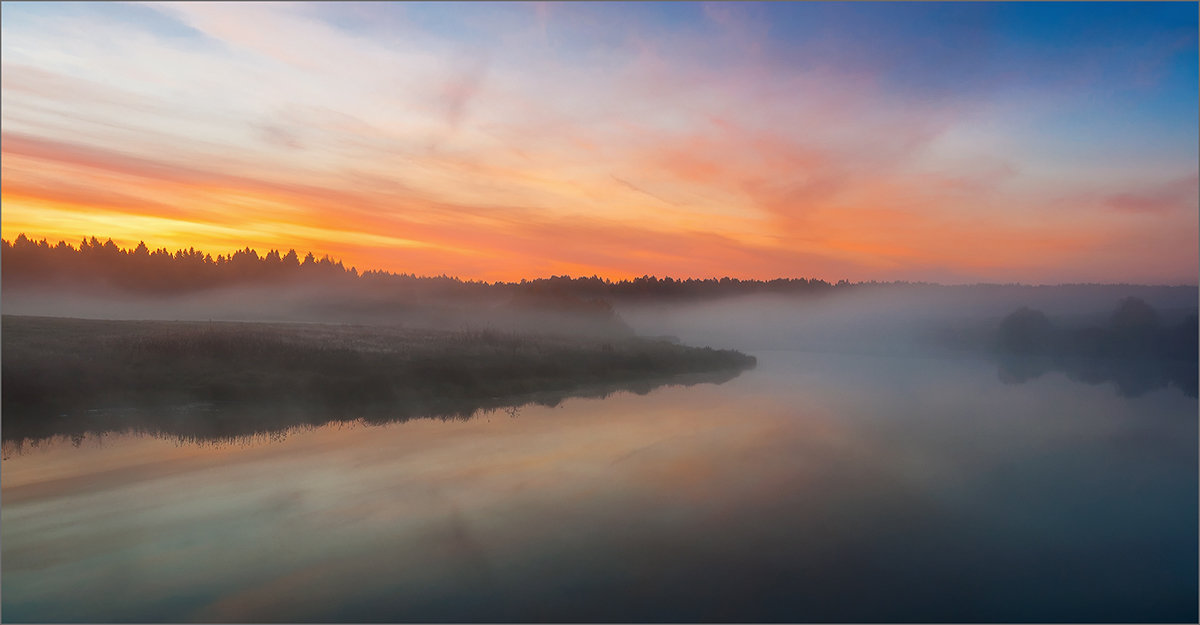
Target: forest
(96, 263)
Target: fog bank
(887, 319)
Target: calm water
(814, 488)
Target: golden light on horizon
(581, 155)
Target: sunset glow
(974, 142)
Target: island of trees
(1133, 349)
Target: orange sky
(683, 141)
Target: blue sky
(958, 142)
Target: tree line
(92, 262)
(141, 269)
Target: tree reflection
(249, 423)
(1133, 350)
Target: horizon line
(360, 272)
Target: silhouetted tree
(159, 270)
(1025, 331)
(1133, 313)
(1133, 350)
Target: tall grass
(61, 374)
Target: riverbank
(65, 375)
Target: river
(816, 487)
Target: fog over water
(817, 487)
(850, 319)
(886, 319)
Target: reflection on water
(245, 423)
(814, 488)
(1130, 377)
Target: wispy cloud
(502, 141)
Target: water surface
(816, 487)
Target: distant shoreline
(139, 270)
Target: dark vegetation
(104, 267)
(214, 380)
(1132, 348)
(92, 263)
(94, 266)
(103, 280)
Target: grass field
(198, 379)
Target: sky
(949, 142)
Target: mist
(866, 319)
(913, 427)
(888, 320)
(344, 303)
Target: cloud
(1175, 196)
(633, 187)
(278, 136)
(459, 90)
(624, 143)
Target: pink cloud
(1175, 196)
(675, 156)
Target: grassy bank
(61, 376)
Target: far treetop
(94, 264)
(159, 271)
